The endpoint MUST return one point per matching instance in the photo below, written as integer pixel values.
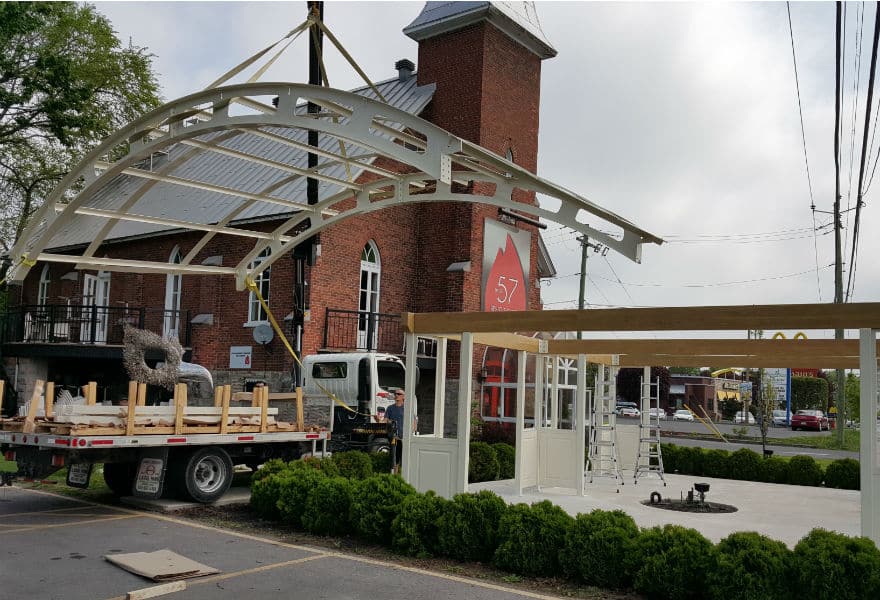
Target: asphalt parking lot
(53, 547)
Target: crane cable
(255, 289)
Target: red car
(809, 419)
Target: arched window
(256, 314)
(173, 285)
(43, 289)
(368, 302)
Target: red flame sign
(506, 285)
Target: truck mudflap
(79, 475)
(150, 479)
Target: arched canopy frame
(404, 158)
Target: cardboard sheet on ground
(161, 565)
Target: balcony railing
(349, 330)
(88, 324)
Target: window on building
(43, 289)
(256, 314)
(173, 285)
(368, 303)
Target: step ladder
(649, 459)
(602, 458)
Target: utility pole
(585, 246)
(838, 258)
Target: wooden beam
(697, 347)
(692, 318)
(511, 341)
(789, 361)
(180, 405)
(92, 392)
(141, 394)
(300, 421)
(264, 408)
(49, 399)
(36, 396)
(224, 415)
(132, 403)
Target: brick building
(478, 77)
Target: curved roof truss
(210, 161)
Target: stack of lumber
(135, 418)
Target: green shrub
(295, 491)
(600, 549)
(773, 470)
(483, 464)
(265, 493)
(468, 528)
(804, 470)
(674, 563)
(415, 528)
(354, 464)
(670, 457)
(744, 464)
(381, 462)
(270, 467)
(375, 503)
(506, 455)
(750, 567)
(327, 506)
(715, 463)
(830, 565)
(808, 393)
(529, 538)
(690, 460)
(843, 474)
(325, 465)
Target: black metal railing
(360, 330)
(88, 324)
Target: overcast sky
(682, 118)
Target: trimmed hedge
(415, 530)
(833, 566)
(744, 465)
(529, 538)
(506, 460)
(354, 464)
(327, 507)
(674, 563)
(750, 567)
(600, 549)
(773, 470)
(804, 470)
(468, 528)
(381, 462)
(717, 463)
(295, 487)
(375, 503)
(483, 464)
(843, 474)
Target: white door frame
(96, 292)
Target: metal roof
(169, 201)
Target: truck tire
(381, 445)
(202, 475)
(119, 477)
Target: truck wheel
(119, 477)
(381, 445)
(203, 475)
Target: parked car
(629, 411)
(744, 416)
(657, 413)
(779, 418)
(621, 405)
(809, 419)
(682, 415)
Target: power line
(797, 86)
(719, 283)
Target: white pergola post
(409, 407)
(581, 420)
(520, 416)
(465, 389)
(870, 445)
(440, 388)
(554, 392)
(540, 366)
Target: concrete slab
(783, 512)
(238, 495)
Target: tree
(629, 383)
(766, 402)
(693, 371)
(66, 82)
(852, 393)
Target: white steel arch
(407, 159)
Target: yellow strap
(349, 58)
(252, 286)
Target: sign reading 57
(506, 279)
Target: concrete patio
(783, 512)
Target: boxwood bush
(483, 465)
(843, 474)
(294, 491)
(750, 567)
(354, 464)
(375, 503)
(670, 457)
(804, 470)
(327, 506)
(266, 492)
(744, 464)
(773, 470)
(381, 462)
(689, 460)
(529, 538)
(715, 463)
(833, 566)
(414, 530)
(506, 455)
(468, 528)
(674, 563)
(600, 549)
(270, 467)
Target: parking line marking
(50, 512)
(231, 574)
(56, 525)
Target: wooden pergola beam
(693, 318)
(774, 361)
(696, 347)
